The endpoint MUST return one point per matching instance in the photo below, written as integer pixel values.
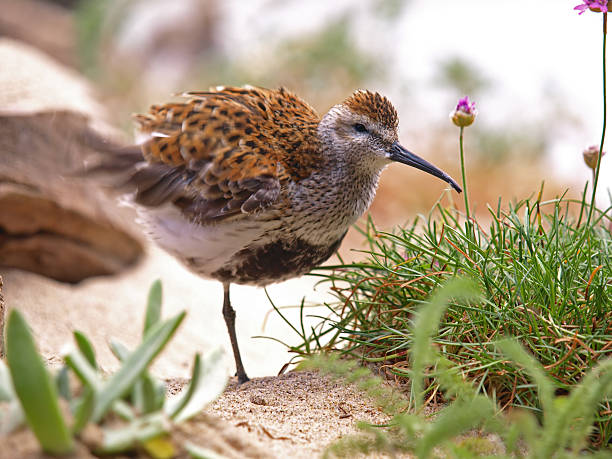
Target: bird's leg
(230, 320)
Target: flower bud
(465, 113)
(590, 156)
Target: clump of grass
(543, 268)
(563, 432)
(125, 412)
(544, 278)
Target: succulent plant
(135, 401)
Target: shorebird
(250, 186)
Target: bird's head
(363, 131)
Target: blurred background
(533, 68)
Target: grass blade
(145, 395)
(148, 394)
(78, 363)
(119, 349)
(35, 388)
(198, 452)
(135, 364)
(178, 402)
(85, 347)
(62, 382)
(84, 410)
(128, 437)
(208, 381)
(154, 302)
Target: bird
(248, 185)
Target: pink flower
(598, 6)
(466, 106)
(464, 113)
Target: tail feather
(125, 169)
(112, 165)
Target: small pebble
(257, 399)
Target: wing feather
(225, 152)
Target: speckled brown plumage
(250, 185)
(226, 146)
(375, 107)
(244, 132)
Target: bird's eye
(359, 127)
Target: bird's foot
(242, 377)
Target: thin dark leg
(230, 320)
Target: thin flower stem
(465, 189)
(603, 133)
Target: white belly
(205, 249)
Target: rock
(2, 316)
(41, 24)
(52, 223)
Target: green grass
(562, 433)
(543, 269)
(544, 278)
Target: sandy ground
(297, 414)
(293, 415)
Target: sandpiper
(250, 186)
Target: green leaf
(81, 367)
(90, 378)
(84, 410)
(145, 394)
(160, 394)
(515, 352)
(135, 364)
(160, 447)
(198, 452)
(174, 405)
(124, 410)
(426, 324)
(522, 432)
(85, 347)
(148, 394)
(62, 382)
(208, 380)
(7, 393)
(154, 302)
(129, 436)
(457, 418)
(119, 349)
(576, 412)
(12, 418)
(35, 388)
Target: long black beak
(401, 155)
